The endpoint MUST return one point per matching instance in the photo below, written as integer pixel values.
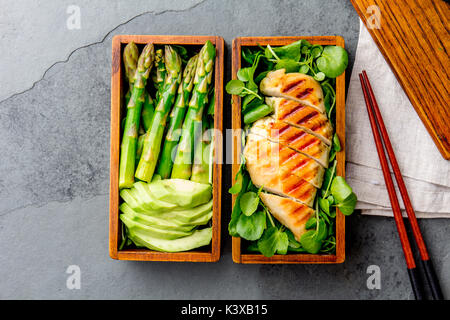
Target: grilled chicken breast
(296, 138)
(294, 86)
(277, 181)
(290, 213)
(287, 152)
(302, 116)
(265, 155)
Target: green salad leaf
(333, 61)
(249, 203)
(251, 227)
(273, 241)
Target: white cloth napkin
(425, 171)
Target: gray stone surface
(54, 173)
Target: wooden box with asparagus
(166, 127)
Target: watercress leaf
(327, 100)
(273, 240)
(235, 87)
(304, 69)
(324, 216)
(309, 241)
(251, 227)
(330, 172)
(336, 143)
(322, 231)
(305, 49)
(235, 214)
(246, 101)
(324, 205)
(347, 206)
(253, 247)
(251, 85)
(237, 187)
(340, 189)
(290, 51)
(319, 76)
(268, 53)
(332, 155)
(287, 64)
(311, 223)
(268, 243)
(316, 51)
(283, 243)
(261, 76)
(293, 243)
(330, 199)
(245, 74)
(333, 61)
(249, 203)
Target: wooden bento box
(239, 256)
(212, 252)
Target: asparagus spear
(160, 72)
(140, 145)
(129, 138)
(176, 119)
(182, 167)
(154, 135)
(148, 109)
(130, 57)
(200, 168)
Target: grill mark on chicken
(300, 164)
(298, 135)
(308, 117)
(278, 132)
(292, 86)
(292, 111)
(304, 93)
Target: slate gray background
(54, 171)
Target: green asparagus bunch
(176, 119)
(154, 135)
(182, 167)
(130, 133)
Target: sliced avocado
(197, 239)
(202, 219)
(148, 201)
(185, 216)
(130, 199)
(154, 221)
(152, 231)
(184, 193)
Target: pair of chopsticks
(377, 124)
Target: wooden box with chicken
(289, 190)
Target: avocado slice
(183, 193)
(202, 219)
(197, 239)
(154, 221)
(186, 216)
(152, 231)
(142, 193)
(129, 198)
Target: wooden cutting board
(413, 36)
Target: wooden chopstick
(410, 263)
(426, 261)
